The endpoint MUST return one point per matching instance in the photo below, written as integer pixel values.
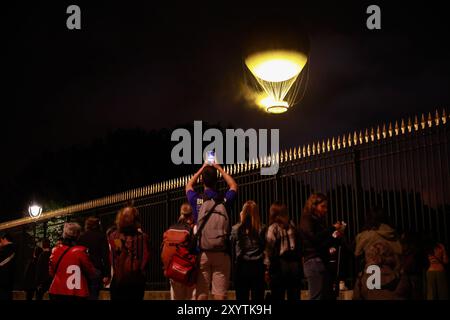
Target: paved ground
(165, 295)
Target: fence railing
(402, 166)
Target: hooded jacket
(384, 233)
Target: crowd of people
(276, 256)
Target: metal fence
(402, 166)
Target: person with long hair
(248, 243)
(317, 239)
(283, 255)
(130, 256)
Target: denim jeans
(319, 279)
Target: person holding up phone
(209, 175)
(214, 263)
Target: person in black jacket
(317, 240)
(43, 279)
(7, 266)
(95, 240)
(29, 283)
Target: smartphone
(211, 157)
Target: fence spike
(344, 141)
(444, 116)
(294, 154)
(299, 152)
(372, 134)
(333, 143)
(422, 122)
(323, 146)
(349, 140)
(366, 135)
(409, 125)
(396, 127)
(436, 118)
(430, 120)
(390, 132)
(384, 131)
(339, 142)
(361, 137)
(328, 145)
(355, 138)
(416, 123)
(308, 150)
(290, 154)
(313, 149)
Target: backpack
(178, 235)
(213, 226)
(183, 266)
(128, 259)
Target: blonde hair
(185, 212)
(127, 220)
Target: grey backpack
(213, 226)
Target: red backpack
(182, 266)
(177, 236)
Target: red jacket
(73, 271)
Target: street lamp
(35, 211)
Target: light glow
(35, 211)
(276, 65)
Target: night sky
(155, 66)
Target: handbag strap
(60, 258)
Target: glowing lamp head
(35, 211)
(276, 65)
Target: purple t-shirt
(196, 200)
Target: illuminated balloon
(276, 73)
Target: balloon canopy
(276, 57)
(276, 71)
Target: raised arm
(193, 180)
(228, 179)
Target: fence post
(358, 187)
(167, 208)
(45, 230)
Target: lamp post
(35, 212)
